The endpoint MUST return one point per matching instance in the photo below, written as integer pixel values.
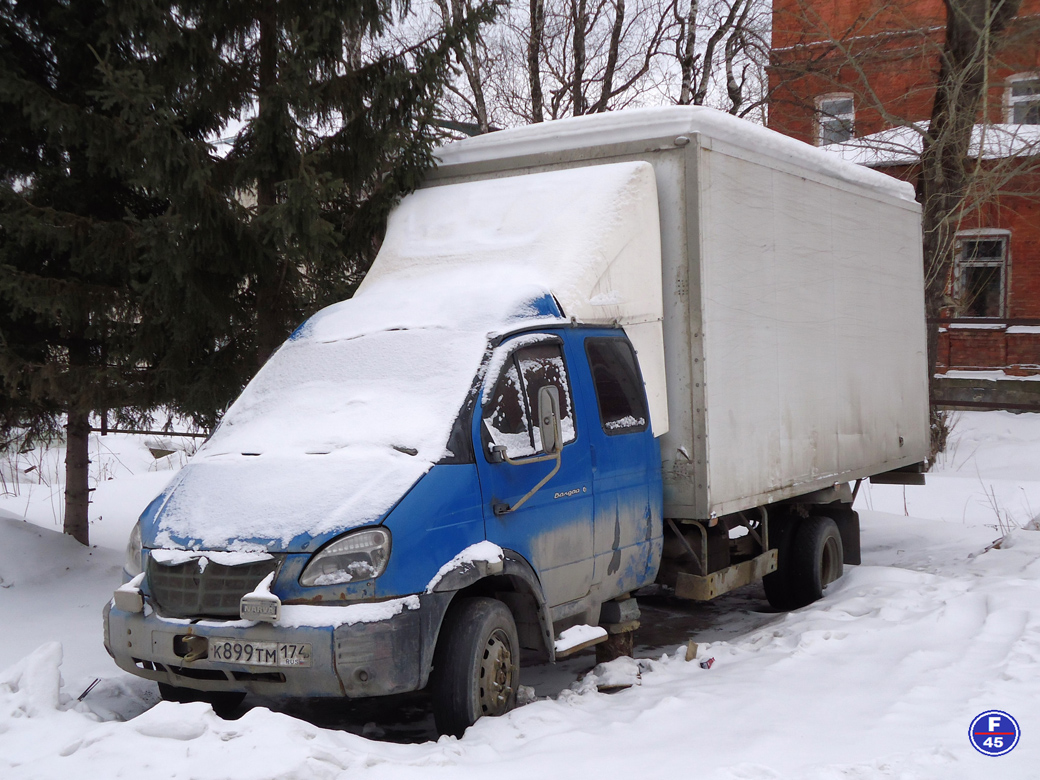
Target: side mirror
(549, 419)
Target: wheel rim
(496, 674)
(829, 562)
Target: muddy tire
(809, 558)
(476, 667)
(224, 703)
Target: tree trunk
(974, 31)
(469, 52)
(607, 90)
(708, 60)
(270, 303)
(472, 66)
(736, 44)
(77, 474)
(688, 56)
(579, 18)
(534, 54)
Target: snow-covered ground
(880, 679)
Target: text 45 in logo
(994, 733)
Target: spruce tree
(141, 266)
(86, 310)
(337, 127)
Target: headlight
(361, 555)
(132, 564)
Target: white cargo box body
(794, 328)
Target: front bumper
(360, 660)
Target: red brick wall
(891, 74)
(1017, 354)
(971, 348)
(1023, 352)
(802, 22)
(896, 49)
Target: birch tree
(549, 59)
(720, 46)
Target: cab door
(553, 528)
(626, 470)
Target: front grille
(184, 591)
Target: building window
(980, 270)
(835, 119)
(1023, 99)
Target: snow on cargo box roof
(347, 415)
(589, 235)
(665, 124)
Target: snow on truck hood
(322, 439)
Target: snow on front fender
(476, 561)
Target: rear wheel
(476, 667)
(224, 703)
(810, 557)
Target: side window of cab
(510, 407)
(619, 386)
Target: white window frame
(1010, 101)
(961, 263)
(825, 118)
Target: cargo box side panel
(742, 338)
(883, 420)
(813, 331)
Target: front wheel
(811, 557)
(476, 667)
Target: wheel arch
(517, 586)
(786, 515)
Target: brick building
(856, 78)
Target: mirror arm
(502, 509)
(500, 452)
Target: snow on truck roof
(645, 124)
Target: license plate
(259, 653)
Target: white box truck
(658, 345)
